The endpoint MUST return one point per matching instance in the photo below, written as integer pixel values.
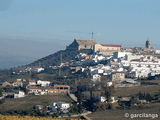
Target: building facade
(88, 44)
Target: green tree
(34, 76)
(109, 92)
(1, 92)
(74, 108)
(148, 97)
(140, 96)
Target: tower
(148, 44)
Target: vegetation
(1, 92)
(9, 117)
(55, 59)
(145, 96)
(118, 114)
(29, 102)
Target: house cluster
(56, 89)
(122, 67)
(60, 107)
(29, 70)
(34, 87)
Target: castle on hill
(90, 44)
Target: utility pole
(60, 64)
(92, 34)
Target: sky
(126, 22)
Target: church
(81, 44)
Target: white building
(43, 83)
(32, 83)
(38, 69)
(109, 83)
(130, 57)
(61, 105)
(96, 78)
(101, 98)
(17, 84)
(117, 55)
(19, 94)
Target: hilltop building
(107, 48)
(80, 44)
(148, 44)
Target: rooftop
(86, 41)
(109, 45)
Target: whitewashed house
(109, 83)
(35, 90)
(38, 70)
(32, 83)
(60, 105)
(118, 77)
(19, 94)
(17, 84)
(113, 100)
(101, 98)
(43, 83)
(96, 78)
(117, 55)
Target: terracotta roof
(85, 41)
(33, 88)
(61, 86)
(17, 82)
(32, 81)
(114, 63)
(109, 45)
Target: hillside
(55, 59)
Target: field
(120, 114)
(135, 90)
(152, 108)
(8, 117)
(29, 102)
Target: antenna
(121, 42)
(92, 33)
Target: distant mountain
(17, 52)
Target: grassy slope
(119, 114)
(135, 90)
(29, 102)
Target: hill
(58, 57)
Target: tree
(1, 92)
(140, 96)
(74, 108)
(148, 97)
(34, 76)
(109, 92)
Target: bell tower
(148, 44)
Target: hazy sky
(113, 21)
